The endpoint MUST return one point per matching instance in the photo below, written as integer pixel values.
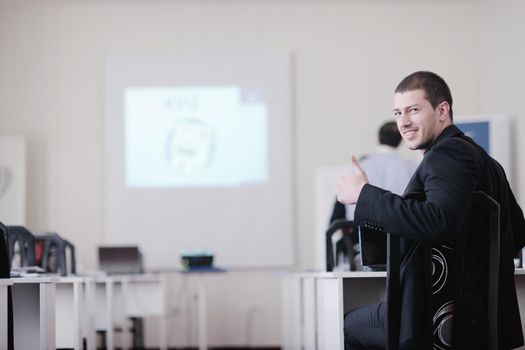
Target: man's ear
(443, 109)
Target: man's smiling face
(418, 122)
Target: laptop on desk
(373, 245)
(120, 260)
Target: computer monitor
(373, 246)
(120, 260)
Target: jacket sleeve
(448, 176)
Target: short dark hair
(435, 88)
(389, 134)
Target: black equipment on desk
(5, 264)
(192, 261)
(115, 260)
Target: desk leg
(3, 317)
(309, 312)
(109, 315)
(330, 313)
(47, 315)
(163, 344)
(67, 312)
(203, 331)
(88, 314)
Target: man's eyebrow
(407, 107)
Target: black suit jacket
(452, 168)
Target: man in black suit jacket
(453, 167)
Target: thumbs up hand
(349, 186)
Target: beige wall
(348, 57)
(502, 53)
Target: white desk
(334, 294)
(314, 304)
(120, 297)
(71, 313)
(87, 309)
(103, 308)
(146, 296)
(34, 313)
(339, 292)
(4, 284)
(202, 313)
(299, 294)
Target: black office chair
(5, 272)
(53, 252)
(21, 246)
(487, 212)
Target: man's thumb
(357, 167)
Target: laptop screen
(373, 248)
(120, 260)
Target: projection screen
(199, 157)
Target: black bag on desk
(4, 254)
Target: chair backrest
(486, 211)
(393, 293)
(346, 226)
(485, 207)
(53, 256)
(21, 244)
(492, 207)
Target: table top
(35, 279)
(352, 274)
(6, 282)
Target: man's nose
(403, 120)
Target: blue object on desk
(202, 269)
(196, 259)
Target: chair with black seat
(54, 250)
(487, 212)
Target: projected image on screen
(194, 136)
(189, 147)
